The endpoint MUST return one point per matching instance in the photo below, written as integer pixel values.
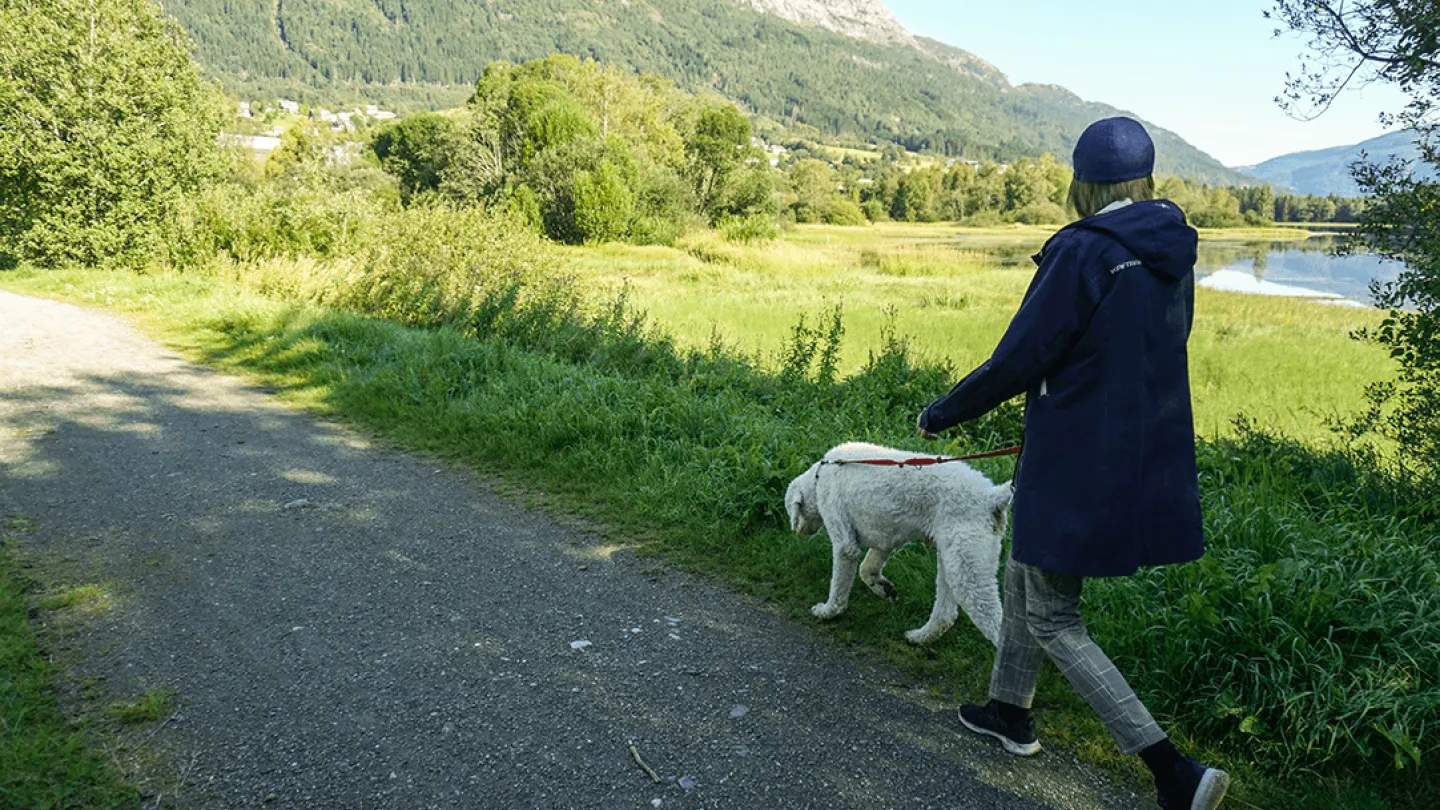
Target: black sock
(1010, 713)
(1161, 758)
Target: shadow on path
(353, 627)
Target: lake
(1304, 268)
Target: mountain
(1327, 171)
(836, 68)
(861, 19)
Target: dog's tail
(1000, 495)
(999, 498)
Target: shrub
(604, 205)
(1044, 212)
(842, 211)
(433, 264)
(982, 219)
(282, 218)
(875, 210)
(654, 231)
(748, 230)
(750, 193)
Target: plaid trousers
(1042, 617)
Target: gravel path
(347, 626)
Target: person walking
(1107, 481)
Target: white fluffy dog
(883, 508)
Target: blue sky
(1208, 70)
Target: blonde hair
(1086, 199)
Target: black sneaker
(1195, 787)
(1018, 738)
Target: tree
(540, 115)
(1396, 42)
(303, 150)
(714, 148)
(813, 184)
(416, 149)
(1027, 183)
(1258, 200)
(105, 128)
(915, 195)
(750, 193)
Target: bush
(1042, 213)
(524, 205)
(604, 205)
(654, 231)
(982, 219)
(433, 264)
(1215, 217)
(749, 230)
(296, 217)
(558, 173)
(842, 211)
(749, 193)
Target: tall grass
(1303, 652)
(1290, 364)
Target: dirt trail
(351, 627)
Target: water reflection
(1309, 265)
(1301, 268)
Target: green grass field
(1288, 364)
(1301, 653)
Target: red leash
(924, 461)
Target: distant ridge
(837, 69)
(1327, 171)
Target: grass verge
(45, 760)
(1302, 654)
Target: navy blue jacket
(1107, 481)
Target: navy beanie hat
(1114, 150)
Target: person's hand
(924, 434)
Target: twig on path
(654, 777)
(156, 729)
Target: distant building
(259, 146)
(289, 106)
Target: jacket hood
(1154, 230)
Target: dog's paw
(825, 611)
(883, 588)
(919, 637)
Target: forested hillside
(1327, 171)
(926, 98)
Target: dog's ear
(795, 501)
